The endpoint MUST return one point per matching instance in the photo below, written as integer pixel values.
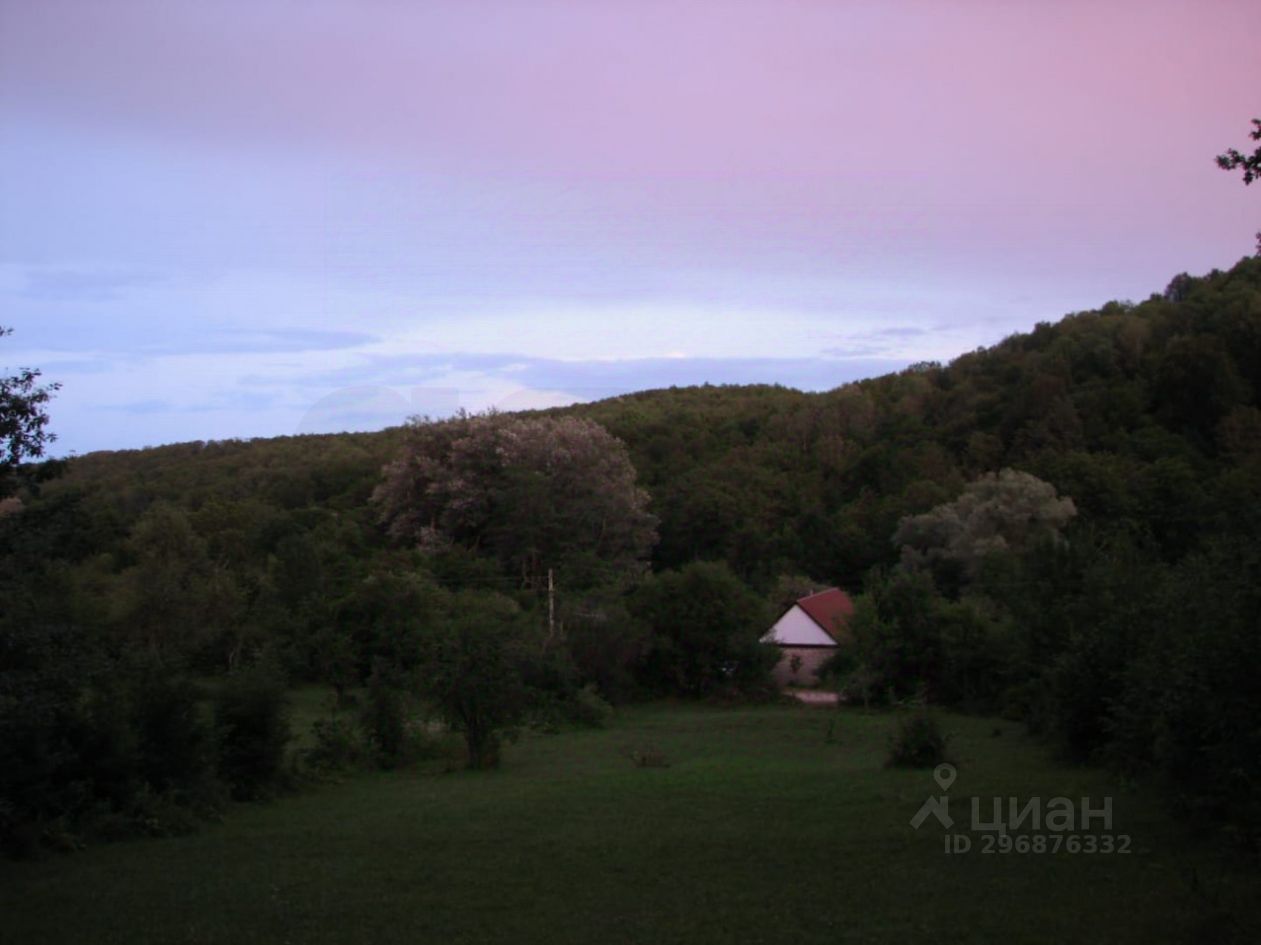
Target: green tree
(251, 718)
(175, 600)
(998, 513)
(22, 417)
(1251, 163)
(535, 493)
(789, 588)
(706, 625)
(472, 668)
(383, 617)
(603, 640)
(897, 644)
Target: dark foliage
(339, 744)
(384, 716)
(23, 418)
(174, 741)
(94, 746)
(473, 667)
(918, 741)
(1251, 163)
(1127, 640)
(252, 726)
(705, 625)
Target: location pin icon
(945, 776)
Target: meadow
(768, 824)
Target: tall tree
(174, 599)
(22, 416)
(999, 512)
(706, 626)
(532, 492)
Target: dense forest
(1064, 528)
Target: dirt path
(814, 696)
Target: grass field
(760, 830)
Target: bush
(550, 711)
(339, 745)
(96, 747)
(174, 740)
(918, 742)
(588, 707)
(66, 746)
(252, 724)
(384, 719)
(705, 626)
(860, 685)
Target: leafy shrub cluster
(339, 745)
(1116, 656)
(918, 741)
(94, 745)
(252, 726)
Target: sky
(241, 219)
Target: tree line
(1062, 528)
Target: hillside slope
(1145, 414)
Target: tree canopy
(532, 492)
(1232, 159)
(998, 513)
(23, 420)
(1144, 414)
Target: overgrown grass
(761, 829)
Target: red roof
(830, 609)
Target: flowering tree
(532, 492)
(999, 512)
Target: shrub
(339, 745)
(550, 712)
(588, 707)
(174, 740)
(66, 745)
(705, 625)
(860, 685)
(918, 742)
(162, 814)
(252, 724)
(384, 718)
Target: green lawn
(758, 831)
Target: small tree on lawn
(471, 668)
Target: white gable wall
(795, 628)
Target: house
(807, 635)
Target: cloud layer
(225, 219)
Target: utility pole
(551, 608)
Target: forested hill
(1117, 617)
(1145, 414)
